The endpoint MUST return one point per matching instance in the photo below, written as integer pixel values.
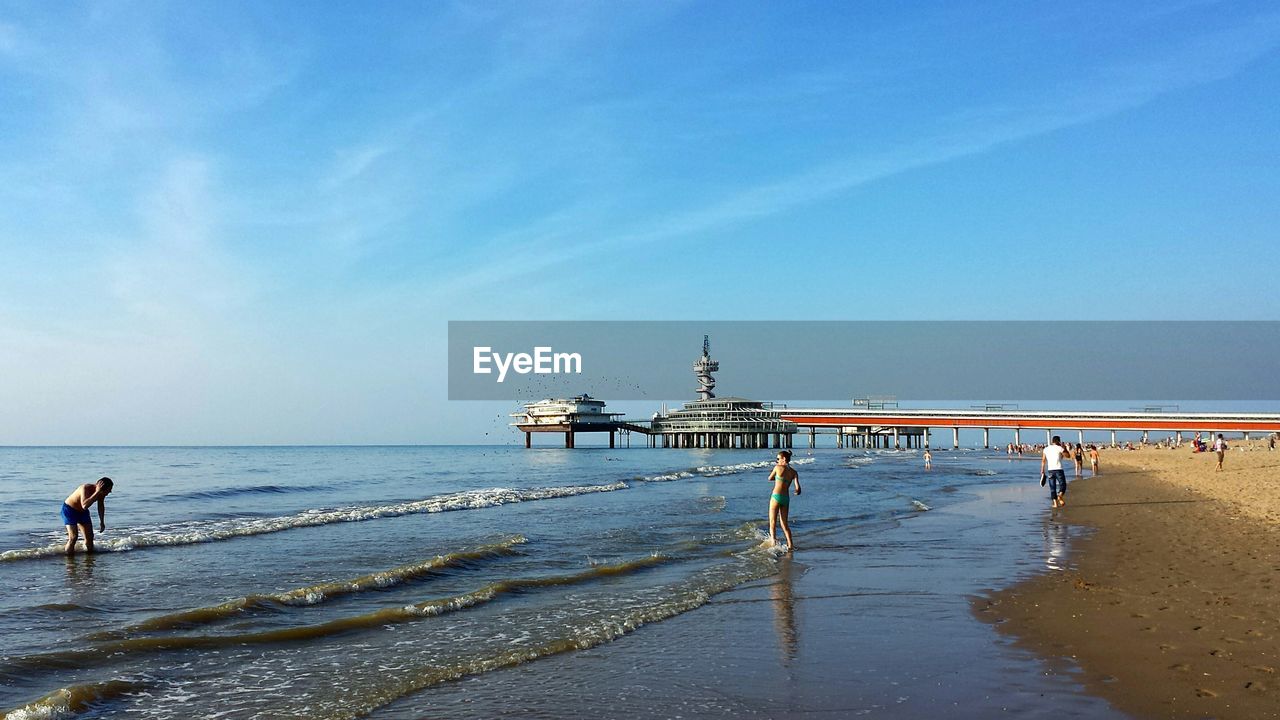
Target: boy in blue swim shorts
(75, 513)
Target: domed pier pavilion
(712, 422)
(728, 422)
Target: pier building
(711, 422)
(581, 413)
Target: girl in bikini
(782, 475)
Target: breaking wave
(715, 470)
(315, 594)
(214, 530)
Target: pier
(739, 423)
(894, 427)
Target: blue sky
(250, 222)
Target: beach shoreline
(1165, 607)
(874, 623)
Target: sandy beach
(1167, 609)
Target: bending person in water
(782, 475)
(75, 513)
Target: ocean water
(341, 582)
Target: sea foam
(203, 531)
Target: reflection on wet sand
(784, 609)
(1055, 544)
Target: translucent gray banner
(825, 360)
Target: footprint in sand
(1255, 686)
(1205, 693)
(1181, 667)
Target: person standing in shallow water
(783, 476)
(75, 513)
(1051, 471)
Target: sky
(249, 223)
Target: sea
(451, 582)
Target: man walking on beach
(75, 513)
(1051, 470)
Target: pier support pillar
(926, 437)
(1017, 437)
(1081, 436)
(955, 438)
(528, 440)
(611, 446)
(1145, 435)
(568, 439)
(1048, 436)
(813, 437)
(1113, 438)
(986, 437)
(896, 444)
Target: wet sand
(871, 621)
(1168, 609)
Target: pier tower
(703, 369)
(711, 422)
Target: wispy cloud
(970, 132)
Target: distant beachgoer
(782, 475)
(928, 459)
(1051, 470)
(1078, 457)
(75, 513)
(1094, 457)
(1220, 447)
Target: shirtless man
(75, 513)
